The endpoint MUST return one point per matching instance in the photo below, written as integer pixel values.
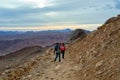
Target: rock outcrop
(78, 34)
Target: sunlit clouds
(37, 3)
(39, 28)
(22, 14)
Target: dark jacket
(57, 48)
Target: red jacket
(62, 48)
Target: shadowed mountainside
(19, 57)
(78, 33)
(13, 41)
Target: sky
(56, 14)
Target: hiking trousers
(57, 56)
(63, 54)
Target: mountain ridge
(18, 40)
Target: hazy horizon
(89, 27)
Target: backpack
(57, 48)
(62, 48)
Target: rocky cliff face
(98, 55)
(95, 57)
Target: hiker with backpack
(62, 49)
(57, 51)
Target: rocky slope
(95, 57)
(19, 57)
(78, 33)
(98, 55)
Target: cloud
(37, 3)
(56, 12)
(25, 3)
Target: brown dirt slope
(19, 57)
(98, 55)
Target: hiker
(57, 51)
(62, 49)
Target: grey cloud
(69, 11)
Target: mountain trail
(47, 69)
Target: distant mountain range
(11, 41)
(22, 32)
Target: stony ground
(47, 69)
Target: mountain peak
(78, 34)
